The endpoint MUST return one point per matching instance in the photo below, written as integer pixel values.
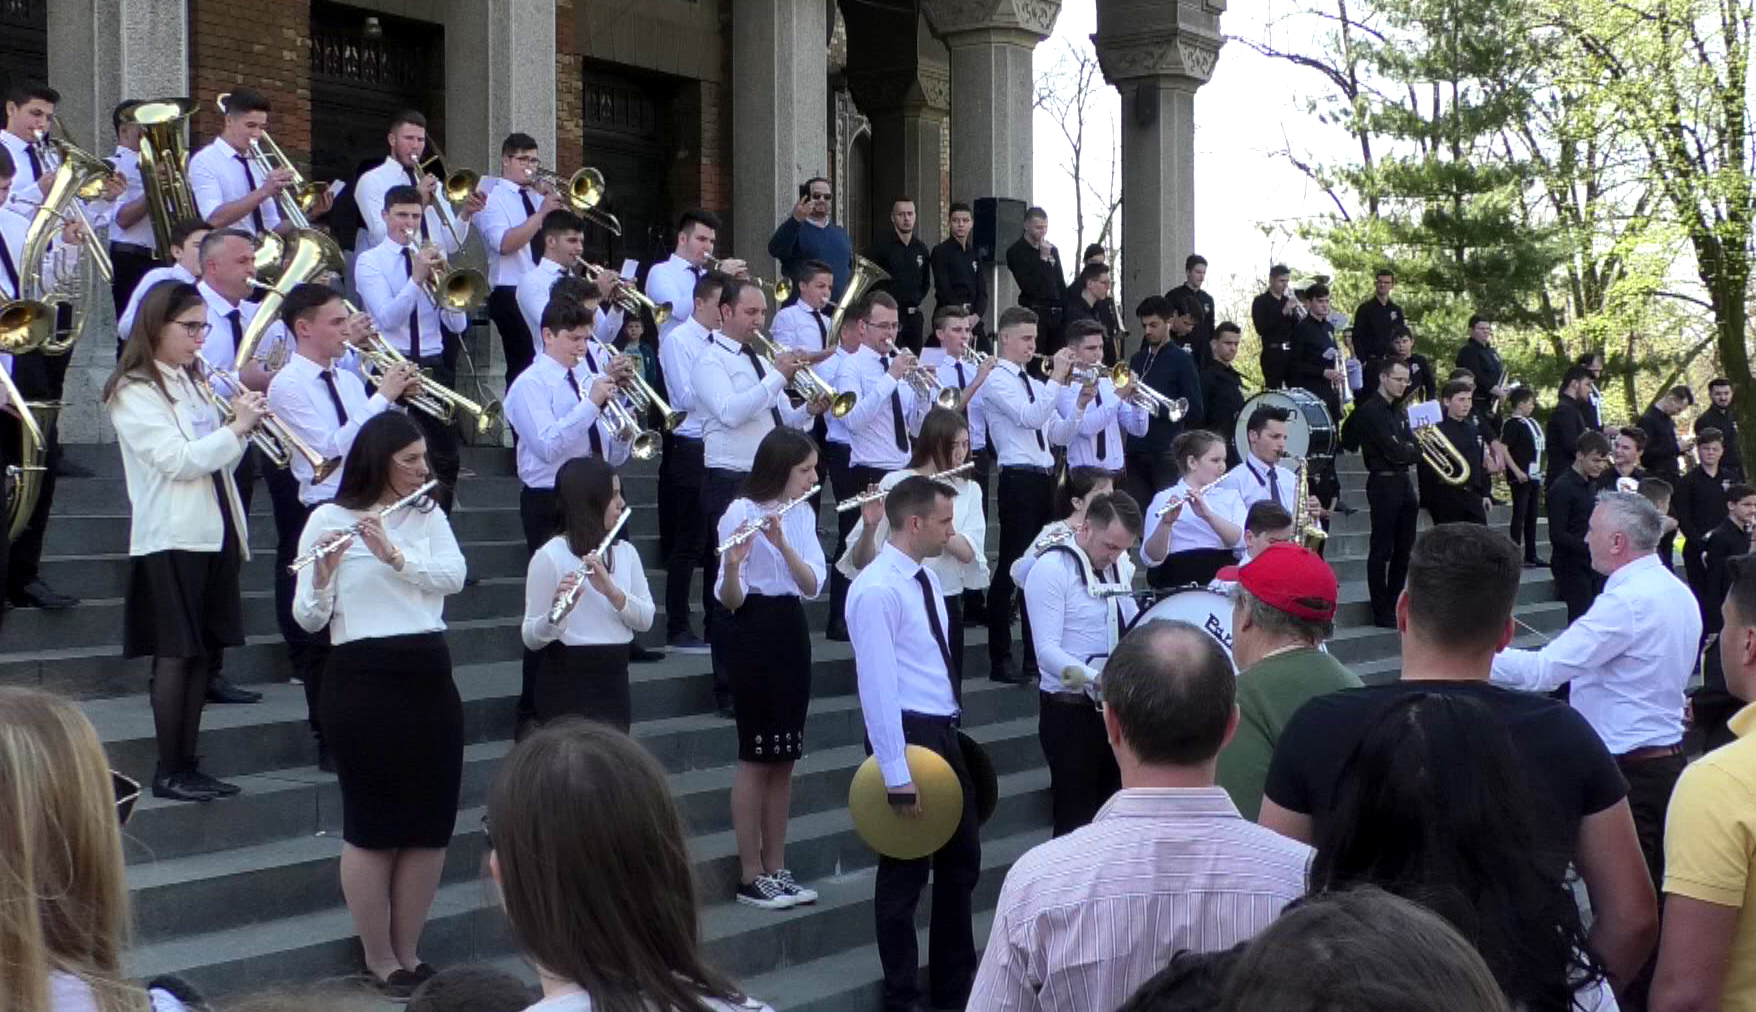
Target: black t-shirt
(1572, 774)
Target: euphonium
(313, 253)
(164, 164)
(271, 436)
(640, 393)
(79, 175)
(865, 275)
(806, 383)
(625, 295)
(26, 326)
(1438, 453)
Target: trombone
(272, 436)
(806, 383)
(641, 395)
(583, 191)
(430, 397)
(780, 290)
(629, 298)
(297, 197)
(456, 185)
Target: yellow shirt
(1710, 847)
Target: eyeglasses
(127, 794)
(820, 196)
(198, 329)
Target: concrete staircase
(240, 894)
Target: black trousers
(1082, 769)
(1576, 583)
(308, 651)
(1024, 508)
(1149, 473)
(718, 488)
(955, 867)
(667, 500)
(536, 514)
(1695, 573)
(1526, 498)
(954, 640)
(129, 264)
(841, 482)
(1650, 785)
(25, 554)
(688, 531)
(516, 340)
(909, 328)
(40, 377)
(1276, 359)
(1395, 512)
(289, 523)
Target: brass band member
(185, 266)
(1261, 475)
(1078, 487)
(763, 583)
(562, 239)
(1099, 414)
(943, 446)
(674, 280)
(402, 167)
(1075, 632)
(133, 255)
(684, 466)
(1195, 527)
(188, 534)
(897, 622)
(1467, 502)
(509, 225)
(29, 108)
(804, 325)
(954, 329)
(1389, 450)
(582, 665)
(1163, 365)
(889, 409)
(230, 189)
(390, 712)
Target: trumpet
(925, 381)
(457, 289)
(565, 602)
(1178, 501)
(583, 191)
(780, 290)
(430, 397)
(806, 383)
(336, 545)
(457, 186)
(866, 497)
(643, 443)
(752, 527)
(1440, 454)
(1134, 390)
(625, 295)
(641, 394)
(271, 436)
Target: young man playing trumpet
(562, 238)
(889, 410)
(509, 224)
(1099, 414)
(440, 223)
(396, 282)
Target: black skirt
(1197, 566)
(393, 722)
(587, 681)
(182, 603)
(768, 656)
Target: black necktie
(536, 244)
(1032, 394)
(897, 424)
(822, 328)
(236, 318)
(408, 261)
(930, 600)
(962, 381)
(11, 268)
(341, 411)
(773, 410)
(1274, 482)
(36, 165)
(597, 445)
(1097, 401)
(591, 363)
(410, 169)
(249, 177)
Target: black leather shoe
(221, 690)
(176, 787)
(1536, 563)
(37, 594)
(1006, 671)
(644, 655)
(1345, 510)
(219, 788)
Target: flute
(331, 547)
(1180, 500)
(865, 497)
(565, 602)
(750, 528)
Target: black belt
(946, 719)
(1030, 468)
(132, 247)
(1388, 472)
(1068, 698)
(686, 439)
(1650, 752)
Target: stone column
(499, 77)
(992, 85)
(1157, 53)
(780, 117)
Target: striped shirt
(1085, 919)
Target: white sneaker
(766, 892)
(799, 893)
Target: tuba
(866, 274)
(164, 164)
(25, 326)
(313, 254)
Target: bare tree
(1070, 91)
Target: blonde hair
(63, 901)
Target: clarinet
(565, 602)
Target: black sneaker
(799, 893)
(766, 892)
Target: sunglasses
(127, 795)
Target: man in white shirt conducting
(440, 224)
(1075, 631)
(1103, 415)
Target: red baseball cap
(1289, 578)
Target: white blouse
(367, 598)
(967, 520)
(1021, 566)
(765, 572)
(592, 622)
(1189, 532)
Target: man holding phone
(809, 235)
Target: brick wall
(569, 91)
(262, 46)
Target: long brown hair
(63, 898)
(594, 872)
(583, 489)
(938, 431)
(163, 303)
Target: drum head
(1206, 610)
(1310, 432)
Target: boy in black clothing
(1699, 505)
(1713, 704)
(1524, 470)
(1466, 501)
(1572, 496)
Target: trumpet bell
(647, 445)
(842, 404)
(783, 289)
(463, 290)
(459, 185)
(947, 398)
(586, 188)
(25, 325)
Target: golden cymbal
(901, 836)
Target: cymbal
(900, 836)
(984, 782)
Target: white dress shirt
(967, 520)
(175, 272)
(897, 660)
(1068, 626)
(1021, 416)
(127, 162)
(679, 347)
(504, 211)
(218, 176)
(673, 281)
(797, 326)
(554, 424)
(221, 349)
(1629, 658)
(366, 598)
(1250, 480)
(734, 403)
(592, 622)
(386, 283)
(835, 429)
(957, 375)
(1108, 415)
(369, 191)
(171, 449)
(1189, 532)
(25, 193)
(533, 297)
(299, 397)
(13, 226)
(765, 571)
(872, 423)
(1021, 566)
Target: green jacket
(1268, 695)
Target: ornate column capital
(916, 89)
(1139, 39)
(1031, 20)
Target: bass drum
(1200, 607)
(1310, 433)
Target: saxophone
(1307, 529)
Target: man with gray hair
(1283, 608)
(1628, 659)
